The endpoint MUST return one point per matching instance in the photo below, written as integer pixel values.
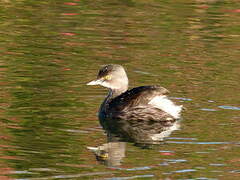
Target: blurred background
(50, 49)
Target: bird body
(140, 114)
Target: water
(51, 49)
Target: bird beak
(95, 82)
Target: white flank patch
(165, 104)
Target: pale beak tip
(94, 82)
(90, 83)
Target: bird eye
(107, 77)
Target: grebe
(143, 113)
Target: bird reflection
(112, 153)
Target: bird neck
(111, 95)
(116, 92)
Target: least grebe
(143, 113)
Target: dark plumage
(131, 114)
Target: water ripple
(175, 160)
(207, 143)
(207, 109)
(75, 131)
(185, 170)
(68, 176)
(166, 151)
(181, 138)
(230, 107)
(163, 164)
(202, 152)
(235, 171)
(200, 178)
(134, 169)
(21, 172)
(215, 164)
(139, 168)
(181, 98)
(132, 177)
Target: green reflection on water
(48, 115)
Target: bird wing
(139, 96)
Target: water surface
(51, 49)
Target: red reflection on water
(236, 10)
(68, 34)
(5, 178)
(70, 3)
(167, 153)
(10, 157)
(4, 137)
(233, 11)
(14, 119)
(66, 69)
(4, 171)
(70, 14)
